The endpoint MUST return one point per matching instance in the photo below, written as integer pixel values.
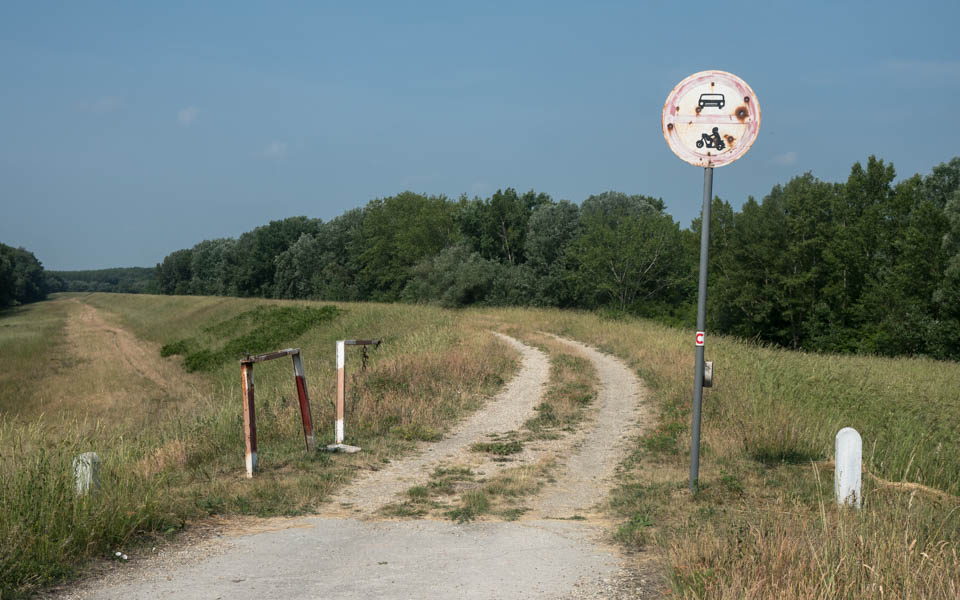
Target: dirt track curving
(543, 556)
(505, 412)
(619, 412)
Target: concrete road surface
(346, 558)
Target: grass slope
(431, 369)
(763, 524)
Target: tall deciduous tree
(497, 227)
(210, 267)
(551, 230)
(22, 278)
(252, 259)
(630, 250)
(398, 232)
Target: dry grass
(764, 524)
(173, 451)
(30, 339)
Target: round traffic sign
(711, 118)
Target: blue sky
(129, 130)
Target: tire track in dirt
(619, 412)
(586, 459)
(106, 372)
(89, 327)
(507, 411)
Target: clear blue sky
(129, 130)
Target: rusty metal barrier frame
(249, 413)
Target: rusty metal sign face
(711, 118)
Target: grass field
(763, 524)
(173, 455)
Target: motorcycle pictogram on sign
(711, 141)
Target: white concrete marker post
(847, 475)
(86, 472)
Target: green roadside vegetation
(867, 265)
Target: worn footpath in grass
(764, 523)
(432, 368)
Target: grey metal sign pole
(701, 326)
(710, 119)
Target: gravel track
(619, 412)
(508, 410)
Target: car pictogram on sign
(714, 100)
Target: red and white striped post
(301, 378)
(338, 445)
(249, 414)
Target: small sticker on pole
(699, 338)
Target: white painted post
(86, 472)
(847, 476)
(341, 390)
(338, 445)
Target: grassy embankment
(175, 452)
(764, 523)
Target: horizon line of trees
(863, 265)
(124, 280)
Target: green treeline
(22, 278)
(859, 266)
(127, 280)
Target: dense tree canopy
(866, 265)
(629, 251)
(22, 278)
